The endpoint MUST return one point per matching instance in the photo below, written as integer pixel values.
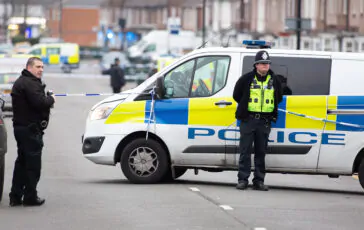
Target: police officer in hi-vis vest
(258, 94)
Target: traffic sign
(291, 24)
(174, 25)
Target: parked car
(108, 59)
(3, 148)
(133, 72)
(6, 84)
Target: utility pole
(60, 19)
(325, 15)
(347, 15)
(4, 26)
(123, 25)
(347, 25)
(24, 26)
(242, 15)
(169, 5)
(299, 23)
(203, 21)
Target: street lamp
(203, 21)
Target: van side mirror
(160, 88)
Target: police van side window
(179, 79)
(53, 51)
(299, 75)
(36, 52)
(210, 75)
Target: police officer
(117, 78)
(258, 94)
(31, 110)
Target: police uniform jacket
(242, 94)
(117, 76)
(29, 101)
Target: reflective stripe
(261, 96)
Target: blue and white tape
(152, 113)
(322, 119)
(82, 94)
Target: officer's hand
(54, 98)
(274, 119)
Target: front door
(194, 113)
(53, 54)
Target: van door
(197, 109)
(294, 142)
(53, 54)
(342, 141)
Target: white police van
(174, 121)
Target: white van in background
(159, 42)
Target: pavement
(82, 195)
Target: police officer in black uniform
(31, 110)
(258, 94)
(117, 76)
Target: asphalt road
(81, 195)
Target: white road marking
(260, 229)
(226, 207)
(194, 189)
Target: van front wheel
(361, 173)
(144, 161)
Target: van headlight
(103, 110)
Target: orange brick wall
(77, 26)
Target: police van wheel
(2, 175)
(361, 173)
(144, 161)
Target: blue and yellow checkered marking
(350, 103)
(309, 105)
(332, 105)
(128, 112)
(172, 111)
(204, 112)
(281, 121)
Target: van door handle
(223, 103)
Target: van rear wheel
(144, 161)
(361, 173)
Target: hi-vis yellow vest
(261, 96)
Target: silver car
(6, 84)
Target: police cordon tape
(85, 94)
(322, 119)
(152, 113)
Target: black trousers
(116, 89)
(257, 131)
(27, 167)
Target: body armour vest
(261, 96)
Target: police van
(166, 125)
